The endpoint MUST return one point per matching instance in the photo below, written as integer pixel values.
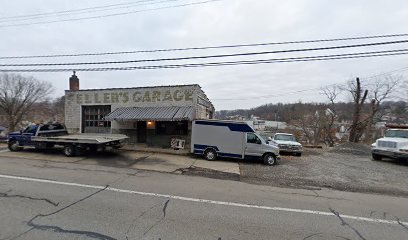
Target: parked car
(287, 143)
(217, 138)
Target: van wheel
(14, 146)
(376, 157)
(210, 154)
(69, 150)
(269, 159)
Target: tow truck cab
(23, 137)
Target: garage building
(150, 116)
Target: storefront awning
(151, 114)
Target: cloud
(217, 23)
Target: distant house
(236, 118)
(265, 125)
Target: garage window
(93, 119)
(93, 116)
(172, 128)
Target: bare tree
(330, 115)
(310, 124)
(18, 94)
(378, 91)
(59, 109)
(359, 98)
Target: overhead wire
(109, 15)
(71, 10)
(206, 47)
(226, 63)
(207, 56)
(68, 13)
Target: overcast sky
(215, 23)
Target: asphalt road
(51, 200)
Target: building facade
(151, 116)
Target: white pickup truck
(287, 143)
(394, 145)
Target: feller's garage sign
(176, 95)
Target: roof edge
(157, 86)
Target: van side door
(253, 145)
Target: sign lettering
(145, 96)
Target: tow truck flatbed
(46, 136)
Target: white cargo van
(217, 138)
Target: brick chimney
(74, 82)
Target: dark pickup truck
(46, 136)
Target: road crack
(161, 219)
(165, 207)
(315, 195)
(311, 235)
(131, 226)
(6, 195)
(401, 224)
(58, 229)
(344, 223)
(19, 235)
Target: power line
(72, 10)
(91, 10)
(231, 63)
(109, 15)
(207, 47)
(309, 89)
(207, 56)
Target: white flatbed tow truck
(46, 136)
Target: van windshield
(396, 133)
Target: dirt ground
(341, 168)
(3, 145)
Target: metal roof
(172, 113)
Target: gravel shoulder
(342, 168)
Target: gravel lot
(345, 168)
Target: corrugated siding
(152, 113)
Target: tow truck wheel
(69, 150)
(269, 159)
(14, 146)
(376, 157)
(210, 154)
